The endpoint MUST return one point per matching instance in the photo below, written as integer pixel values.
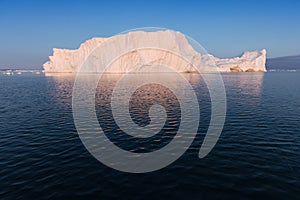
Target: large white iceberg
(65, 60)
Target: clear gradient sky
(30, 29)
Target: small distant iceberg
(65, 60)
(10, 72)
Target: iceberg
(65, 60)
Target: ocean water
(257, 155)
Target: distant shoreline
(10, 72)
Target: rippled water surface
(257, 155)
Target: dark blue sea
(256, 156)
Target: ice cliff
(64, 60)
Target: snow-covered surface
(183, 57)
(249, 61)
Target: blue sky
(30, 29)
